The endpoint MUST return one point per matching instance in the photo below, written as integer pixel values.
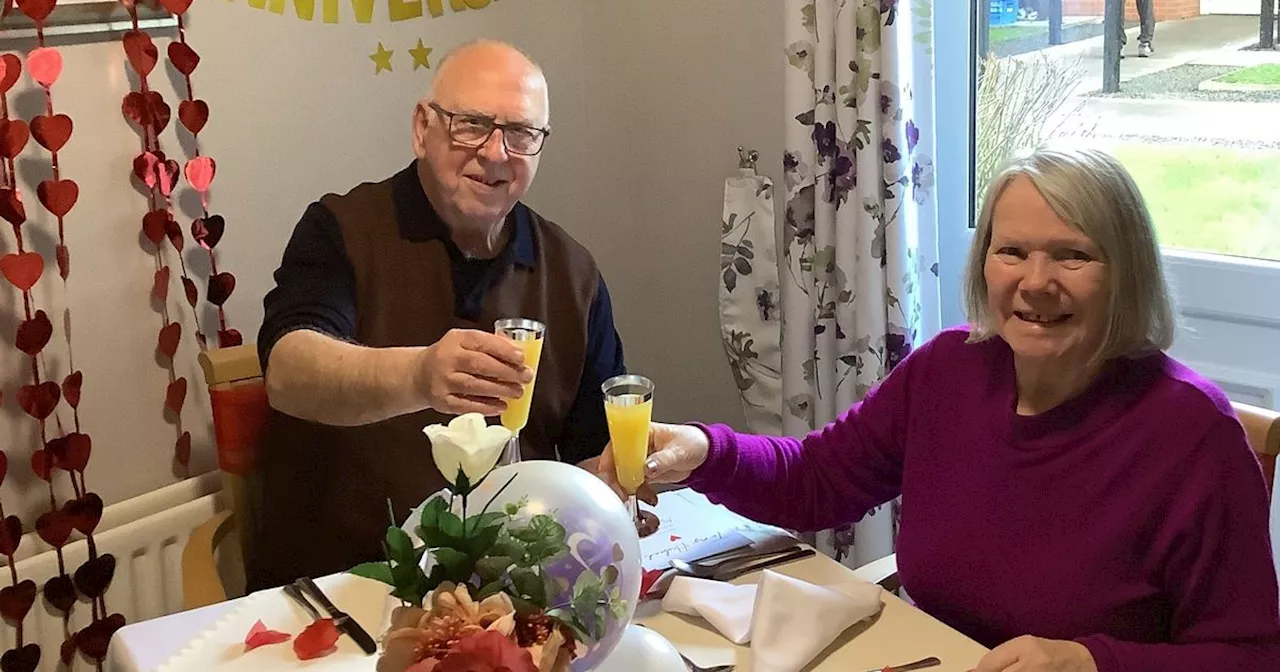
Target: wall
(648, 104)
(1166, 10)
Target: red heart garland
(144, 168)
(76, 456)
(36, 10)
(42, 464)
(22, 269)
(58, 196)
(193, 113)
(207, 231)
(25, 659)
(12, 70)
(176, 395)
(168, 173)
(60, 592)
(169, 336)
(229, 338)
(220, 288)
(63, 255)
(154, 224)
(34, 334)
(160, 289)
(174, 232)
(94, 638)
(51, 131)
(39, 400)
(141, 51)
(184, 58)
(134, 107)
(14, 134)
(177, 7)
(189, 287)
(54, 527)
(158, 111)
(94, 576)
(200, 172)
(11, 208)
(10, 535)
(71, 388)
(182, 449)
(16, 601)
(85, 513)
(4, 466)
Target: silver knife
(344, 622)
(909, 667)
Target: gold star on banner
(381, 59)
(421, 55)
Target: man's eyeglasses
(471, 130)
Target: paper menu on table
(690, 527)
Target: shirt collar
(419, 222)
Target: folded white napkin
(787, 621)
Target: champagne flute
(527, 335)
(628, 408)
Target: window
(1195, 118)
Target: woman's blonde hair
(1094, 194)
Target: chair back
(1262, 427)
(238, 399)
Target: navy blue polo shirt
(316, 289)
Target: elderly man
(381, 322)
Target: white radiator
(146, 535)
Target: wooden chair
(213, 571)
(1261, 426)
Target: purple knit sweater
(1132, 519)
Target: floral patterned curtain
(860, 223)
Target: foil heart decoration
(169, 336)
(23, 659)
(36, 10)
(34, 334)
(58, 196)
(14, 134)
(54, 527)
(193, 114)
(45, 65)
(141, 52)
(52, 130)
(220, 288)
(22, 269)
(71, 388)
(10, 535)
(11, 71)
(183, 57)
(94, 638)
(200, 172)
(60, 592)
(208, 230)
(16, 600)
(39, 400)
(176, 395)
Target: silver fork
(693, 667)
(297, 596)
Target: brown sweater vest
(325, 489)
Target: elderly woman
(1071, 495)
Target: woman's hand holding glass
(675, 451)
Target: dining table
(899, 633)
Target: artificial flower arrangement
(485, 600)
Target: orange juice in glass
(527, 335)
(628, 408)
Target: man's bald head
(465, 66)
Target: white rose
(467, 442)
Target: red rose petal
(259, 635)
(317, 640)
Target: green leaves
(378, 571)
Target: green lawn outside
(1006, 33)
(1267, 74)
(1211, 199)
